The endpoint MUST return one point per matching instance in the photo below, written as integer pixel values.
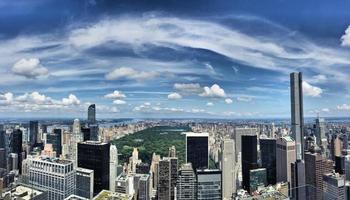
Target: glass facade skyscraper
(197, 152)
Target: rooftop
(193, 134)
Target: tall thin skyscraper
(167, 178)
(92, 114)
(33, 132)
(297, 119)
(197, 152)
(16, 146)
(228, 169)
(268, 158)
(113, 163)
(249, 158)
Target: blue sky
(215, 59)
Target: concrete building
(186, 183)
(113, 164)
(285, 154)
(24, 192)
(55, 176)
(228, 169)
(334, 186)
(144, 187)
(84, 183)
(164, 180)
(238, 132)
(209, 184)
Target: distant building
(92, 114)
(33, 132)
(55, 139)
(16, 147)
(84, 183)
(228, 169)
(48, 151)
(209, 184)
(238, 132)
(285, 154)
(257, 179)
(55, 176)
(249, 158)
(125, 184)
(268, 158)
(142, 168)
(144, 187)
(95, 156)
(186, 183)
(197, 150)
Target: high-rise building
(334, 186)
(124, 184)
(228, 169)
(172, 151)
(315, 167)
(92, 114)
(55, 176)
(77, 137)
(209, 184)
(16, 146)
(268, 158)
(13, 162)
(167, 178)
(95, 156)
(144, 187)
(285, 154)
(34, 133)
(154, 170)
(55, 139)
(84, 183)
(142, 168)
(238, 132)
(297, 119)
(186, 183)
(197, 150)
(94, 132)
(3, 158)
(113, 163)
(249, 158)
(320, 131)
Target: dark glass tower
(197, 150)
(33, 131)
(95, 156)
(92, 114)
(16, 146)
(268, 158)
(249, 158)
(55, 139)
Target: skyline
(135, 60)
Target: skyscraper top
(92, 114)
(192, 134)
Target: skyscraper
(297, 119)
(16, 147)
(285, 154)
(249, 158)
(55, 176)
(186, 183)
(238, 132)
(268, 158)
(197, 150)
(334, 186)
(209, 184)
(55, 139)
(33, 132)
(167, 178)
(228, 169)
(84, 183)
(320, 131)
(315, 167)
(144, 187)
(113, 163)
(95, 156)
(92, 114)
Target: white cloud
(6, 99)
(131, 74)
(34, 97)
(244, 98)
(115, 95)
(228, 101)
(147, 103)
(29, 68)
(214, 91)
(343, 107)
(119, 102)
(210, 104)
(320, 78)
(71, 100)
(325, 110)
(188, 88)
(310, 90)
(174, 95)
(345, 39)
